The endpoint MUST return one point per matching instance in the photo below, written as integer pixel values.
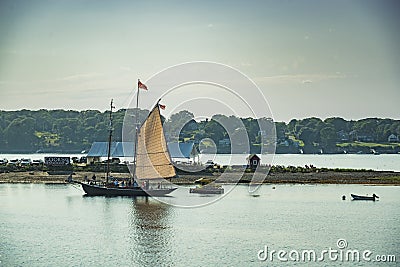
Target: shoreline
(328, 177)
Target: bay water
(382, 162)
(56, 225)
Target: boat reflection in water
(150, 233)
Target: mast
(109, 141)
(136, 133)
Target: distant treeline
(69, 131)
(56, 130)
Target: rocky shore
(327, 177)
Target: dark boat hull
(356, 197)
(96, 190)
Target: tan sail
(153, 160)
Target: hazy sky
(309, 58)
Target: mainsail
(152, 157)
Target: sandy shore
(329, 177)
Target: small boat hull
(357, 197)
(205, 190)
(96, 190)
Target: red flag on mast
(141, 85)
(162, 106)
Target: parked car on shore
(209, 164)
(25, 162)
(83, 160)
(37, 162)
(113, 161)
(80, 160)
(14, 162)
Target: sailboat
(151, 165)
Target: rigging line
(76, 187)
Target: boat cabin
(253, 161)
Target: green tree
(177, 123)
(20, 134)
(308, 135)
(328, 137)
(339, 124)
(215, 131)
(280, 130)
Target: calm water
(54, 225)
(383, 162)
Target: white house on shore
(393, 138)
